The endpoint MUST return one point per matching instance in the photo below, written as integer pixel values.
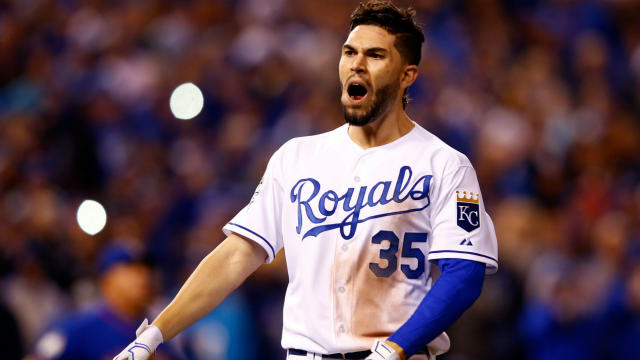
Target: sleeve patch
(468, 210)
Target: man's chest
(350, 196)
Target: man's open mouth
(356, 91)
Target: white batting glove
(148, 338)
(382, 351)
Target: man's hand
(148, 339)
(383, 351)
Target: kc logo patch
(468, 214)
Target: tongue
(358, 97)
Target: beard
(382, 100)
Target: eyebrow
(369, 50)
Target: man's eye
(349, 52)
(376, 56)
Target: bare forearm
(217, 275)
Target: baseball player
(363, 213)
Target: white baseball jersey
(358, 226)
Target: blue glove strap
(453, 293)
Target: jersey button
(356, 179)
(341, 329)
(345, 248)
(341, 289)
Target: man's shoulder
(299, 150)
(439, 151)
(314, 139)
(307, 145)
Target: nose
(359, 64)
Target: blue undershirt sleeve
(458, 287)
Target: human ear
(409, 75)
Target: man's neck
(384, 130)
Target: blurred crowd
(543, 96)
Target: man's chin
(353, 107)
(354, 111)
(357, 117)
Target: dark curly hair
(399, 22)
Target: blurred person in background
(95, 333)
(31, 296)
(623, 317)
(10, 341)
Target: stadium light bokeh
(91, 217)
(186, 101)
